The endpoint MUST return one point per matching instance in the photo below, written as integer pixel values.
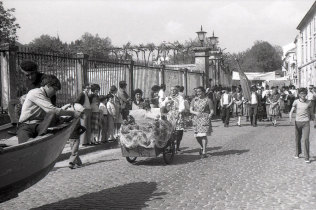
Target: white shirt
(254, 98)
(225, 99)
(103, 108)
(310, 96)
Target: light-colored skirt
(202, 125)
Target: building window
(310, 50)
(302, 58)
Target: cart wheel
(168, 152)
(131, 159)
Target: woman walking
(202, 109)
(238, 104)
(274, 109)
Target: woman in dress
(95, 116)
(202, 109)
(274, 101)
(238, 104)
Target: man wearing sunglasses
(34, 78)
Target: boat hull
(25, 164)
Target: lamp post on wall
(201, 35)
(215, 75)
(201, 56)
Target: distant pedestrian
(226, 102)
(74, 139)
(304, 114)
(202, 109)
(125, 99)
(162, 94)
(274, 108)
(253, 106)
(238, 105)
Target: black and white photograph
(158, 104)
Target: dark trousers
(225, 114)
(302, 130)
(253, 112)
(27, 131)
(178, 134)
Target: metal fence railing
(73, 71)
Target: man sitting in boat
(34, 78)
(38, 112)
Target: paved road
(248, 168)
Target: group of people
(265, 103)
(101, 116)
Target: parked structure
(306, 49)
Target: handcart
(167, 152)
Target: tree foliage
(47, 43)
(8, 25)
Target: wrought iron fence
(64, 68)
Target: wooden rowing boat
(22, 165)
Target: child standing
(304, 114)
(74, 160)
(104, 119)
(111, 117)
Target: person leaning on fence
(124, 98)
(103, 119)
(38, 112)
(34, 78)
(304, 114)
(83, 99)
(74, 139)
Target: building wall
(306, 51)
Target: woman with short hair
(202, 109)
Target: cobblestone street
(247, 168)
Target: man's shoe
(296, 157)
(307, 161)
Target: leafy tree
(47, 43)
(262, 57)
(92, 45)
(8, 25)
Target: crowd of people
(101, 116)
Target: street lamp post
(201, 35)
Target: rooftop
(307, 17)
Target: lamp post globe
(213, 41)
(201, 35)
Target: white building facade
(306, 49)
(289, 66)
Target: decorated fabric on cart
(146, 132)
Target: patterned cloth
(274, 110)
(95, 126)
(174, 115)
(202, 124)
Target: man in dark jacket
(34, 78)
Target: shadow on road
(128, 196)
(229, 152)
(197, 150)
(86, 164)
(179, 159)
